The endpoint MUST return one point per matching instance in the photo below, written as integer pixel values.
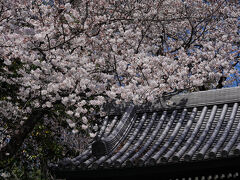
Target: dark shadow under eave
(217, 167)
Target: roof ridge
(196, 99)
(184, 100)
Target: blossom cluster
(73, 59)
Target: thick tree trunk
(19, 136)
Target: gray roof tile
(206, 126)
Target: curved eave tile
(166, 136)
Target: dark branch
(16, 141)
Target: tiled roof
(195, 127)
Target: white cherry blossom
(72, 59)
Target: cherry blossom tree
(61, 61)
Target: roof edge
(185, 100)
(201, 98)
(165, 171)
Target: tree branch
(16, 141)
